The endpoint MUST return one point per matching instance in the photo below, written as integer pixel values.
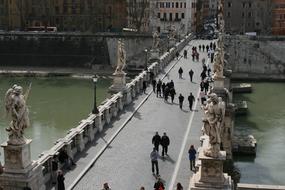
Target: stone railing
(245, 186)
(77, 138)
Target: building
(247, 16)
(66, 15)
(278, 17)
(213, 6)
(138, 12)
(171, 14)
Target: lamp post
(146, 59)
(95, 109)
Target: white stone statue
(218, 66)
(212, 121)
(156, 40)
(121, 57)
(16, 108)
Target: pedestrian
(154, 161)
(203, 61)
(144, 87)
(166, 93)
(164, 143)
(212, 55)
(199, 47)
(197, 56)
(171, 84)
(193, 56)
(158, 185)
(209, 71)
(207, 48)
(156, 141)
(158, 88)
(151, 76)
(202, 97)
(172, 94)
(191, 73)
(60, 180)
(192, 157)
(191, 99)
(211, 45)
(185, 54)
(203, 47)
(177, 55)
(180, 72)
(206, 86)
(142, 188)
(202, 85)
(54, 167)
(203, 75)
(214, 46)
(179, 186)
(153, 85)
(163, 88)
(106, 186)
(181, 99)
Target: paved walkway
(125, 164)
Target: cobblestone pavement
(125, 164)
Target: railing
(77, 138)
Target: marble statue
(16, 108)
(212, 125)
(156, 39)
(218, 66)
(121, 58)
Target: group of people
(164, 89)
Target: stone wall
(69, 49)
(245, 186)
(256, 57)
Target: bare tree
(137, 10)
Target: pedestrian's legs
(163, 150)
(180, 105)
(156, 147)
(190, 105)
(152, 166)
(166, 150)
(190, 165)
(172, 98)
(156, 166)
(191, 78)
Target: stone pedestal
(154, 55)
(210, 175)
(19, 170)
(219, 82)
(119, 82)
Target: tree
(138, 13)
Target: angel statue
(121, 57)
(16, 108)
(155, 40)
(212, 125)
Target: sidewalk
(125, 164)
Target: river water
(56, 104)
(266, 122)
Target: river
(266, 122)
(56, 104)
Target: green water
(55, 105)
(266, 121)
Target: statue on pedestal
(16, 108)
(212, 125)
(121, 58)
(156, 40)
(218, 66)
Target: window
(181, 5)
(249, 14)
(158, 15)
(167, 5)
(162, 5)
(182, 15)
(242, 14)
(184, 5)
(229, 14)
(243, 5)
(170, 16)
(229, 4)
(164, 16)
(176, 16)
(177, 5)
(249, 5)
(172, 5)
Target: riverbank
(258, 77)
(25, 71)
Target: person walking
(177, 55)
(172, 94)
(158, 185)
(54, 167)
(144, 87)
(179, 186)
(163, 89)
(164, 143)
(192, 157)
(60, 180)
(106, 186)
(203, 47)
(181, 99)
(156, 141)
(191, 99)
(154, 161)
(158, 88)
(180, 72)
(191, 73)
(153, 85)
(185, 54)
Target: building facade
(171, 14)
(213, 6)
(66, 15)
(248, 16)
(278, 17)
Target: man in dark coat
(191, 73)
(153, 85)
(158, 88)
(191, 99)
(163, 88)
(164, 143)
(180, 72)
(181, 99)
(172, 94)
(60, 180)
(156, 141)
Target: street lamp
(95, 109)
(146, 59)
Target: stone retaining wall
(245, 186)
(77, 138)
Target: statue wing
(8, 100)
